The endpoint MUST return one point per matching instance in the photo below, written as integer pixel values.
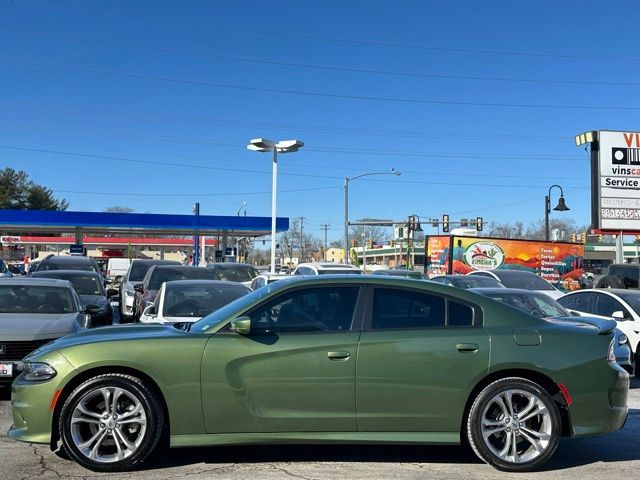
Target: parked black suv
(68, 262)
(625, 275)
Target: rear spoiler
(604, 326)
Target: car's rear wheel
(610, 281)
(111, 422)
(514, 425)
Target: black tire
(484, 402)
(610, 281)
(146, 441)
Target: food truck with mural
(561, 263)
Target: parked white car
(620, 304)
(190, 300)
(265, 279)
(326, 269)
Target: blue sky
(150, 104)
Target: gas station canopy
(49, 221)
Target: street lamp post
(244, 205)
(346, 206)
(561, 207)
(283, 146)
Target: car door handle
(467, 347)
(338, 355)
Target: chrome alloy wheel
(516, 426)
(108, 424)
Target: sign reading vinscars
(615, 184)
(484, 256)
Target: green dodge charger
(332, 359)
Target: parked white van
(117, 267)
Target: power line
(332, 68)
(344, 41)
(188, 195)
(323, 94)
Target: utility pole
(326, 227)
(301, 260)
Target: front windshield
(162, 275)
(633, 299)
(74, 266)
(476, 281)
(237, 273)
(35, 299)
(232, 309)
(84, 284)
(540, 305)
(198, 300)
(525, 281)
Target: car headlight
(38, 371)
(612, 354)
(622, 339)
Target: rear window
(161, 275)
(525, 281)
(46, 266)
(236, 274)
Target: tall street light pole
(346, 206)
(244, 205)
(561, 207)
(283, 146)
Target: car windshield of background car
(22, 299)
(54, 266)
(477, 281)
(84, 284)
(633, 299)
(232, 309)
(138, 271)
(237, 274)
(526, 282)
(198, 300)
(533, 304)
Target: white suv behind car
(326, 269)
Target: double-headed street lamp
(346, 207)
(561, 207)
(283, 146)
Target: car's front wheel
(111, 422)
(514, 425)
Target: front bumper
(31, 403)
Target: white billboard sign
(618, 188)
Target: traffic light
(445, 223)
(353, 243)
(479, 223)
(573, 237)
(392, 243)
(583, 237)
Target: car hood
(36, 326)
(603, 325)
(113, 333)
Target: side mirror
(117, 280)
(91, 309)
(241, 325)
(618, 314)
(149, 311)
(574, 313)
(138, 287)
(86, 321)
(112, 292)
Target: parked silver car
(34, 312)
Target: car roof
(178, 267)
(614, 291)
(203, 283)
(54, 273)
(329, 266)
(68, 259)
(223, 265)
(33, 281)
(153, 261)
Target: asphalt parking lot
(612, 456)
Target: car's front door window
(606, 305)
(324, 309)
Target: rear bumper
(597, 411)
